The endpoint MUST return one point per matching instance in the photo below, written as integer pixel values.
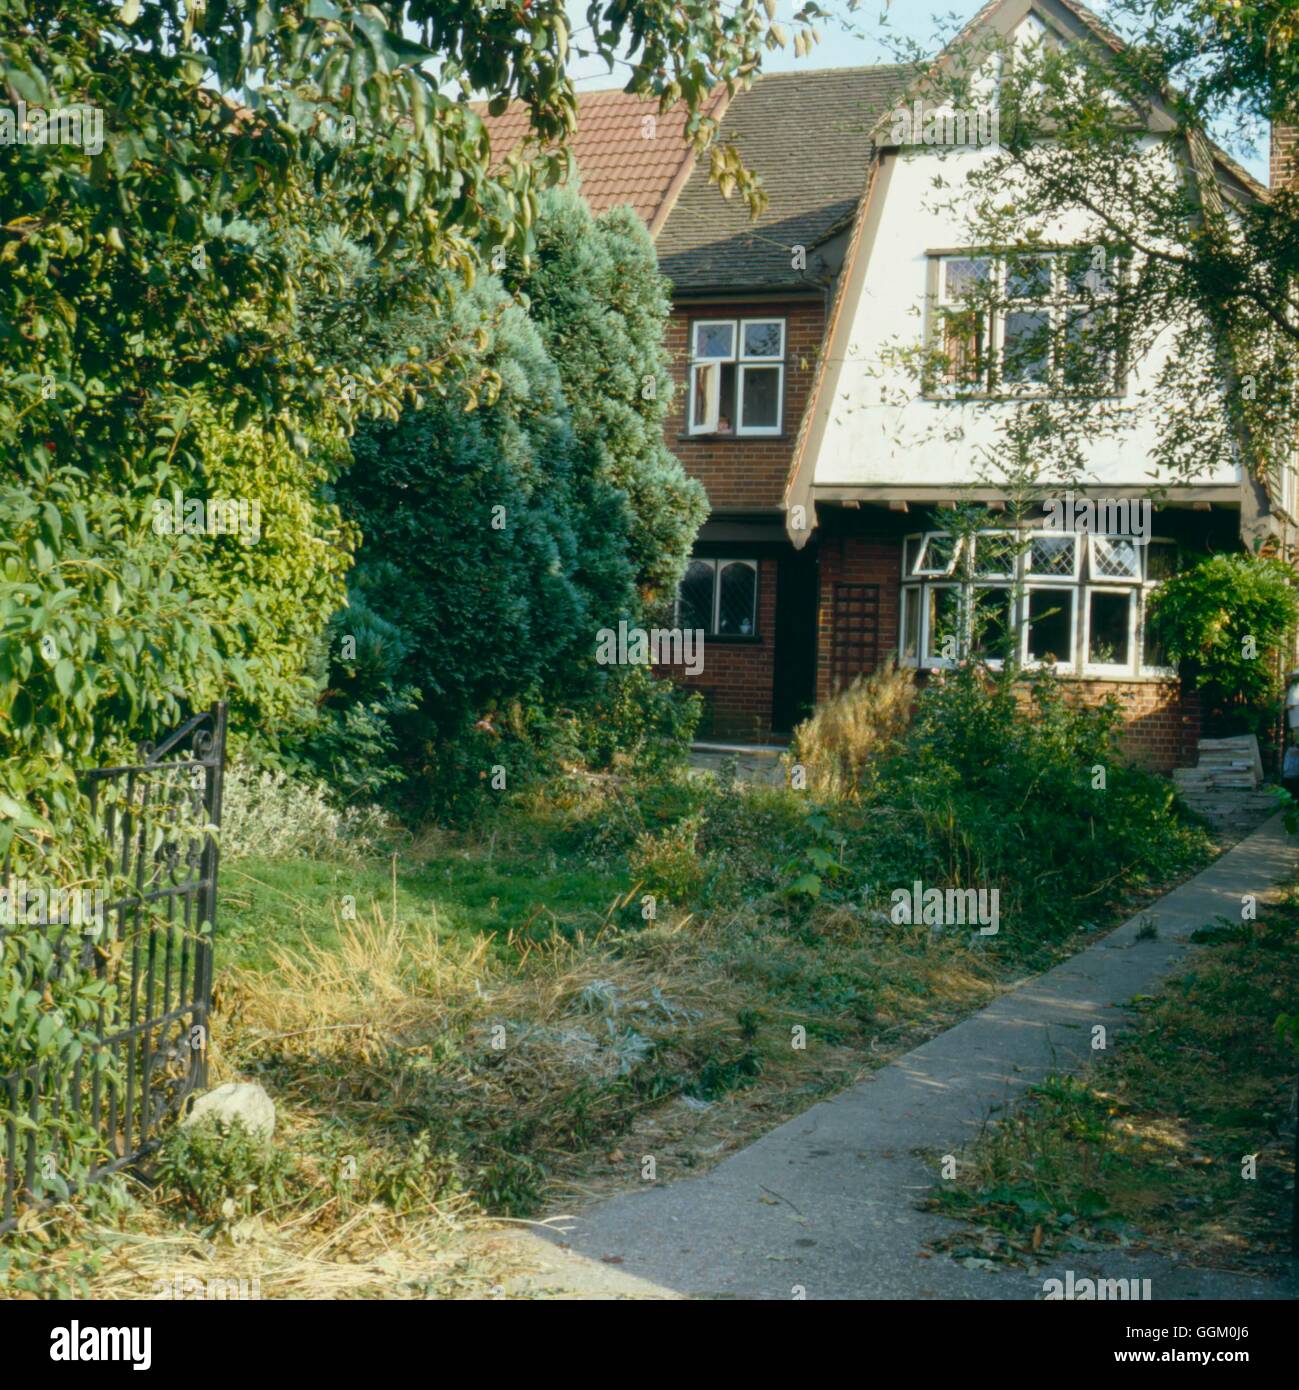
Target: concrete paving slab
(824, 1206)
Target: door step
(1224, 786)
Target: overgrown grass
(1149, 1146)
(611, 967)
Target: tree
(602, 308)
(179, 181)
(153, 266)
(491, 544)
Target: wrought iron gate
(152, 940)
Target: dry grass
(841, 740)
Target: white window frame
(992, 578)
(909, 594)
(1139, 547)
(743, 363)
(1007, 586)
(1022, 581)
(718, 563)
(1103, 668)
(1046, 575)
(1004, 306)
(926, 539)
(1061, 302)
(946, 303)
(939, 663)
(1148, 586)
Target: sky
(869, 35)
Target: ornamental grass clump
(843, 740)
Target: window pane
(739, 600)
(994, 555)
(1115, 557)
(944, 624)
(938, 554)
(1050, 625)
(911, 623)
(964, 347)
(965, 277)
(1028, 277)
(991, 636)
(726, 399)
(703, 405)
(761, 398)
(762, 339)
(1091, 272)
(1085, 354)
(696, 605)
(1027, 348)
(1153, 652)
(1108, 642)
(1161, 560)
(1052, 555)
(714, 340)
(911, 553)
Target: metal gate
(151, 939)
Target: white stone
(236, 1100)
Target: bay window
(1076, 601)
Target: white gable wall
(878, 428)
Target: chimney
(1284, 144)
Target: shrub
(601, 306)
(275, 814)
(1004, 781)
(636, 718)
(220, 1172)
(846, 736)
(1226, 618)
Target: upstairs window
(737, 376)
(1027, 323)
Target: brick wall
(745, 471)
(736, 681)
(872, 557)
(1284, 156)
(1161, 725)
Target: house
(823, 556)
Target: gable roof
(808, 134)
(1213, 167)
(705, 241)
(621, 157)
